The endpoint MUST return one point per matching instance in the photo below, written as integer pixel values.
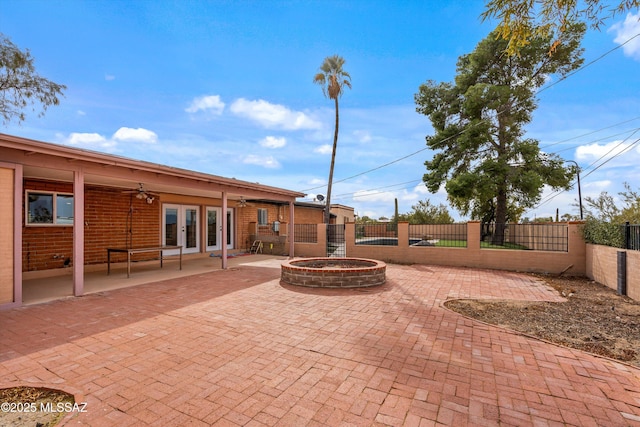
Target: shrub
(605, 233)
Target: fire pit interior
(334, 272)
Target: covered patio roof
(55, 162)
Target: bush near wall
(600, 232)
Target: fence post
(622, 273)
(627, 235)
(473, 235)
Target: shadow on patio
(36, 290)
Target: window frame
(54, 195)
(266, 216)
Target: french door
(180, 228)
(214, 229)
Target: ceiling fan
(242, 203)
(142, 194)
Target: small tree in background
(20, 85)
(426, 213)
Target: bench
(130, 251)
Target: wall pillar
(224, 230)
(292, 237)
(78, 233)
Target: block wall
(602, 266)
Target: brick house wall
(45, 247)
(112, 219)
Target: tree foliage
(20, 85)
(488, 169)
(523, 21)
(606, 208)
(333, 79)
(426, 213)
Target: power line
(557, 193)
(563, 78)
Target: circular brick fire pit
(334, 272)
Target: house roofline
(30, 147)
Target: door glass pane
(171, 227)
(212, 228)
(229, 227)
(191, 228)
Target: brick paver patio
(236, 347)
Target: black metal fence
(631, 234)
(336, 243)
(377, 233)
(305, 233)
(527, 236)
(441, 235)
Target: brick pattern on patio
(236, 347)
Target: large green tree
(520, 21)
(333, 79)
(20, 85)
(481, 156)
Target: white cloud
(109, 77)
(211, 103)
(323, 149)
(94, 140)
(268, 162)
(273, 142)
(595, 152)
(362, 135)
(273, 116)
(317, 181)
(81, 113)
(625, 31)
(125, 134)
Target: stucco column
(292, 237)
(224, 230)
(78, 233)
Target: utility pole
(579, 190)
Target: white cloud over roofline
(126, 134)
(273, 116)
(268, 162)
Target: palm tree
(333, 79)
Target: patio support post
(224, 230)
(78, 233)
(292, 237)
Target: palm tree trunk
(327, 208)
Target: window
(49, 208)
(262, 217)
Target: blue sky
(225, 87)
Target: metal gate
(336, 246)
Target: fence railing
(382, 234)
(528, 236)
(631, 234)
(305, 233)
(442, 235)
